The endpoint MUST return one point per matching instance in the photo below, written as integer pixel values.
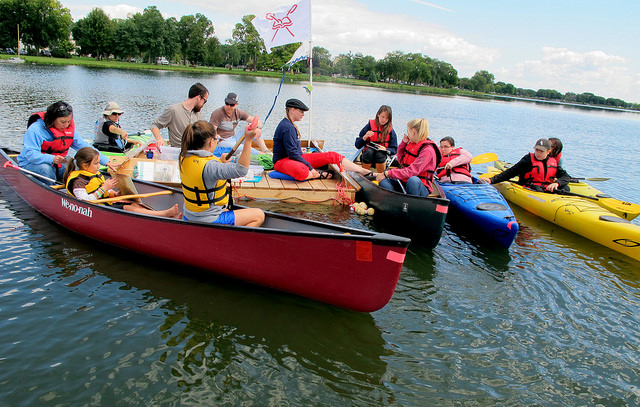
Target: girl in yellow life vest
(204, 178)
(83, 180)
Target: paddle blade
(484, 158)
(254, 123)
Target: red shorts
(300, 171)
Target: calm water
(552, 321)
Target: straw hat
(112, 107)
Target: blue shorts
(225, 218)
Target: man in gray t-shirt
(225, 120)
(178, 116)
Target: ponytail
(421, 126)
(195, 137)
(288, 109)
(83, 156)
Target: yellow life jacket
(95, 181)
(196, 192)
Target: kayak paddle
(484, 158)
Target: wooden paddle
(128, 197)
(251, 126)
(484, 158)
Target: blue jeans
(46, 170)
(414, 186)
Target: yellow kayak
(626, 210)
(582, 216)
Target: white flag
(301, 54)
(285, 25)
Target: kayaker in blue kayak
(538, 171)
(454, 166)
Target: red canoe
(350, 268)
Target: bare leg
(366, 166)
(380, 167)
(249, 217)
(262, 146)
(172, 212)
(350, 166)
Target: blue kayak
(485, 208)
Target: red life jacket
(412, 151)
(541, 174)
(460, 169)
(62, 139)
(377, 135)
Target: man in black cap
(226, 118)
(536, 170)
(288, 158)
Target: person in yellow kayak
(538, 171)
(556, 149)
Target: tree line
(191, 40)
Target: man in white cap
(225, 120)
(109, 135)
(536, 170)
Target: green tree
(153, 35)
(125, 39)
(248, 40)
(42, 22)
(192, 34)
(214, 53)
(94, 34)
(322, 61)
(482, 81)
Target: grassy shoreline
(396, 87)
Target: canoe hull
(346, 267)
(578, 215)
(484, 208)
(418, 217)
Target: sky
(567, 45)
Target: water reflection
(211, 336)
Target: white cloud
(121, 10)
(566, 70)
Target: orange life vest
(541, 174)
(377, 134)
(62, 139)
(460, 169)
(413, 150)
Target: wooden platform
(327, 191)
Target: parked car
(45, 53)
(9, 51)
(162, 61)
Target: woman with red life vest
(538, 170)
(454, 166)
(47, 141)
(418, 157)
(377, 140)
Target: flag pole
(310, 89)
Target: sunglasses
(229, 104)
(117, 114)
(205, 100)
(64, 110)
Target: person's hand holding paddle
(245, 156)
